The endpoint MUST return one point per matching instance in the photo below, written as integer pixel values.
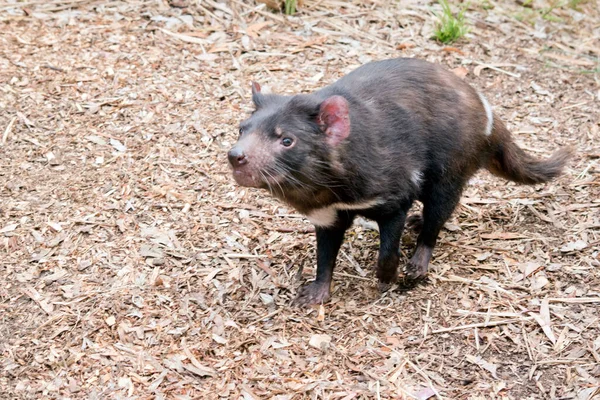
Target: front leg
(329, 240)
(390, 233)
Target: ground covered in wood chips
(132, 266)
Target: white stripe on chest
(327, 216)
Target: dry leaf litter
(132, 267)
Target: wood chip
(133, 266)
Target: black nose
(236, 157)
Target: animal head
(287, 144)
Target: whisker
(325, 180)
(328, 185)
(266, 181)
(281, 170)
(312, 179)
(274, 180)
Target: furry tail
(509, 161)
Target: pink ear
(255, 87)
(334, 115)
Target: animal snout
(236, 157)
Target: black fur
(417, 132)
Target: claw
(312, 294)
(415, 271)
(384, 287)
(417, 266)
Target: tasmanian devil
(386, 134)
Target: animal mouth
(246, 178)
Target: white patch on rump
(416, 177)
(326, 216)
(488, 114)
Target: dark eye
(241, 131)
(287, 142)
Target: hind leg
(439, 202)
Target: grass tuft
(290, 7)
(450, 27)
(574, 4)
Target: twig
(454, 278)
(7, 6)
(353, 262)
(266, 316)
(8, 130)
(184, 38)
(234, 255)
(351, 276)
(471, 247)
(490, 66)
(425, 376)
(574, 300)
(574, 105)
(482, 325)
(563, 361)
(52, 67)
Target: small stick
(484, 65)
(266, 316)
(52, 67)
(562, 361)
(470, 247)
(425, 376)
(351, 276)
(574, 105)
(234, 255)
(575, 300)
(7, 6)
(538, 214)
(489, 314)
(353, 262)
(7, 130)
(480, 325)
(184, 38)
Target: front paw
(312, 294)
(384, 286)
(386, 278)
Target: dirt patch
(132, 266)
